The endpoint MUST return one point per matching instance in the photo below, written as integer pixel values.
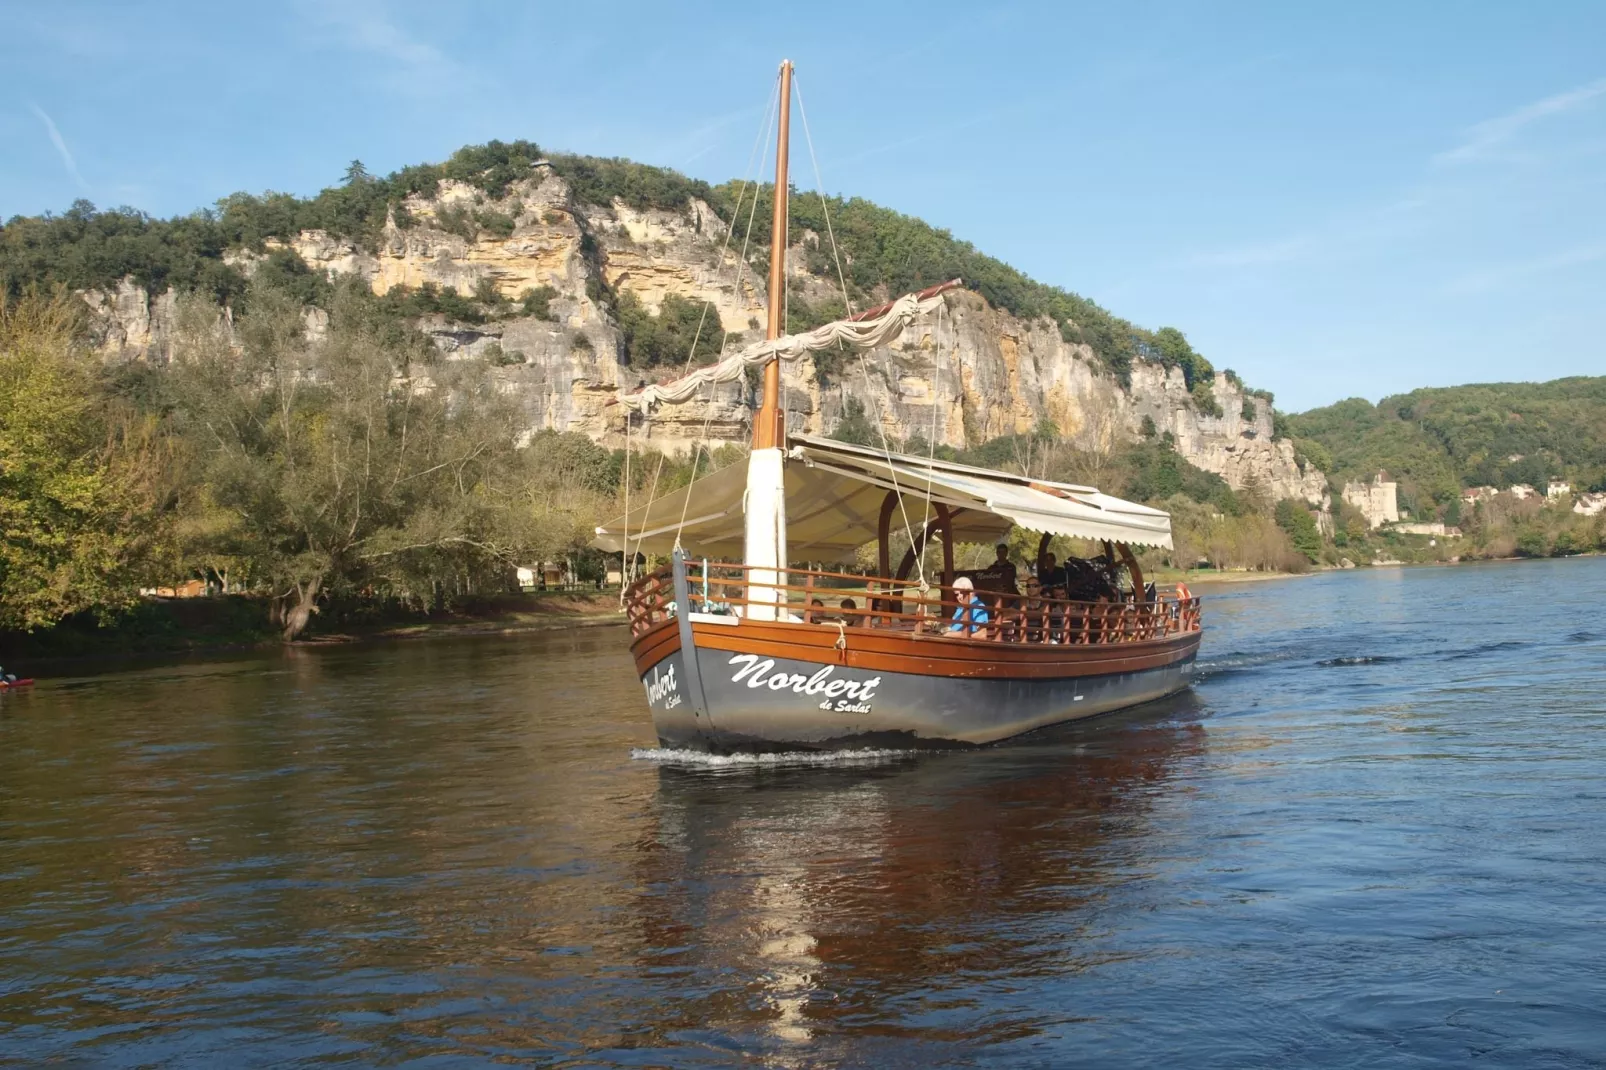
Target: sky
(1333, 200)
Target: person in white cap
(971, 613)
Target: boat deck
(875, 604)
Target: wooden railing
(814, 597)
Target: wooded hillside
(1437, 441)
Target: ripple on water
(1485, 649)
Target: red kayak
(16, 683)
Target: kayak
(16, 683)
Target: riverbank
(205, 625)
(1210, 578)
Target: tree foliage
(1300, 526)
(360, 458)
(855, 426)
(681, 329)
(79, 476)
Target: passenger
(1034, 610)
(1001, 574)
(815, 613)
(850, 616)
(971, 613)
(1052, 577)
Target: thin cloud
(61, 146)
(1490, 134)
(706, 136)
(1338, 237)
(1501, 277)
(367, 26)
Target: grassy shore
(1195, 577)
(194, 625)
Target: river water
(1374, 835)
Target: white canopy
(834, 493)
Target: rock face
(966, 374)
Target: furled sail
(865, 331)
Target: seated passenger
(1033, 610)
(971, 613)
(815, 614)
(851, 619)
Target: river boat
(743, 642)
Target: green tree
(1170, 347)
(855, 425)
(1300, 527)
(353, 459)
(681, 329)
(79, 487)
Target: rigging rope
(931, 442)
(755, 155)
(847, 304)
(627, 565)
(741, 268)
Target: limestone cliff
(968, 373)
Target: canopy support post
(1132, 566)
(945, 523)
(884, 551)
(884, 534)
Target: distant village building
(187, 589)
(545, 574)
(1474, 495)
(1590, 504)
(1434, 528)
(1378, 500)
(1556, 489)
(1522, 491)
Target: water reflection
(838, 897)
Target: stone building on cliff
(1378, 500)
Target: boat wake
(1239, 663)
(1487, 648)
(680, 756)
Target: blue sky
(1334, 200)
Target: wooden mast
(764, 542)
(769, 426)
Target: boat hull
(757, 687)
